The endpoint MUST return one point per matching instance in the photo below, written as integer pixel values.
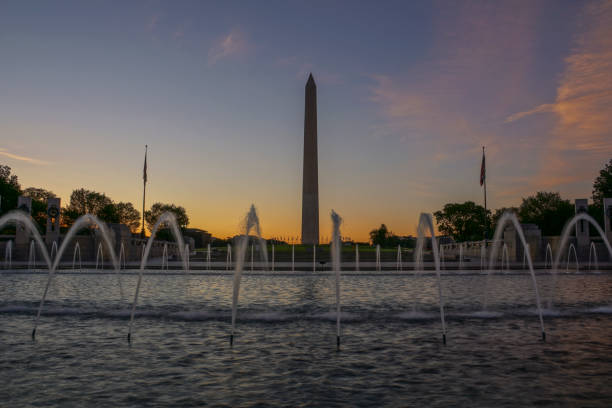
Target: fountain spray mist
(165, 218)
(508, 218)
(565, 235)
(251, 222)
(336, 260)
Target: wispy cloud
(6, 153)
(583, 105)
(233, 44)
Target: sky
(408, 93)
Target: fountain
(460, 256)
(399, 266)
(186, 256)
(314, 258)
(252, 256)
(77, 249)
(378, 257)
(426, 225)
(505, 255)
(357, 257)
(525, 250)
(292, 257)
(506, 218)
(32, 256)
(100, 255)
(272, 257)
(251, 222)
(548, 252)
(17, 216)
(336, 260)
(571, 249)
(228, 257)
(8, 255)
(80, 222)
(122, 256)
(164, 260)
(165, 218)
(593, 250)
(208, 257)
(53, 249)
(483, 255)
(565, 235)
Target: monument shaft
(310, 182)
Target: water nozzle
(544, 336)
(444, 338)
(338, 343)
(33, 333)
(129, 337)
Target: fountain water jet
(208, 257)
(228, 257)
(18, 216)
(32, 256)
(77, 248)
(505, 255)
(506, 218)
(186, 256)
(571, 249)
(99, 254)
(314, 258)
(122, 256)
(565, 234)
(426, 225)
(378, 257)
(80, 222)
(8, 255)
(53, 249)
(272, 257)
(460, 256)
(165, 218)
(251, 222)
(483, 255)
(357, 257)
(525, 250)
(548, 251)
(336, 260)
(399, 258)
(164, 260)
(593, 250)
(292, 257)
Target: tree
(9, 190)
(158, 209)
(380, 236)
(547, 210)
(83, 202)
(128, 215)
(463, 222)
(602, 186)
(39, 198)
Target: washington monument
(310, 182)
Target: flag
(144, 170)
(483, 171)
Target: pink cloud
(233, 44)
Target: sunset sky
(408, 92)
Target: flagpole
(485, 197)
(144, 193)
